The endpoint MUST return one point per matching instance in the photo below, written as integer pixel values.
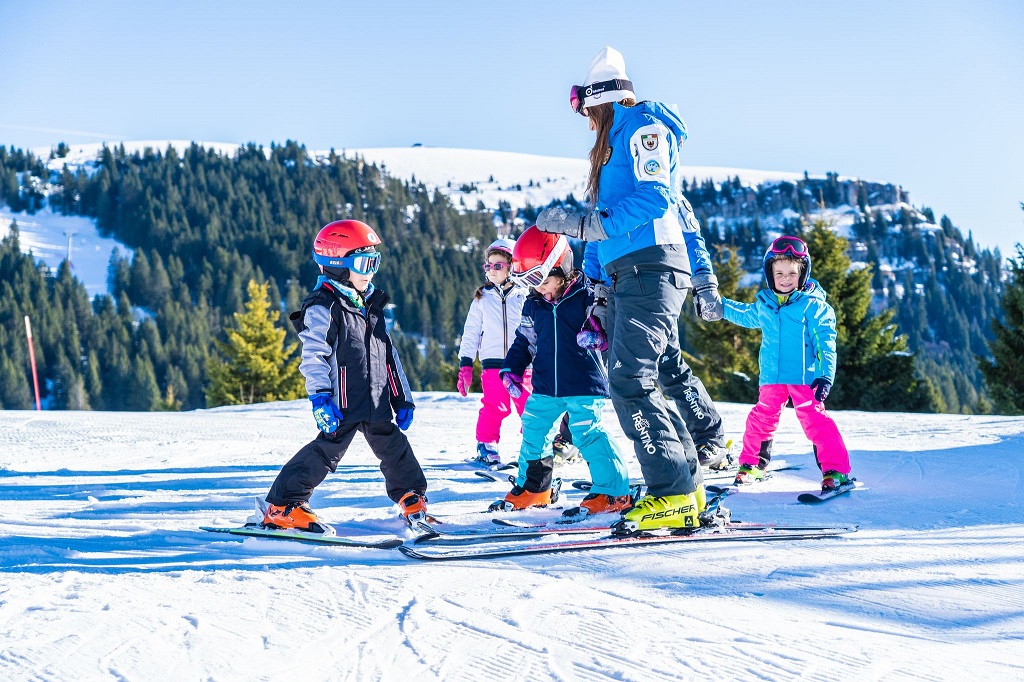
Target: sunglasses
(578, 92)
(791, 245)
(360, 263)
(498, 267)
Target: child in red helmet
(354, 380)
(568, 376)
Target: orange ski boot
(413, 507)
(296, 516)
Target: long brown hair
(601, 115)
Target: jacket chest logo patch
(650, 142)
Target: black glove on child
(821, 387)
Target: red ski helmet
(336, 241)
(536, 254)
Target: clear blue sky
(927, 94)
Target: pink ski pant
(496, 405)
(817, 425)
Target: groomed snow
(105, 575)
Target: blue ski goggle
(360, 263)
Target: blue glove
(821, 387)
(327, 416)
(404, 418)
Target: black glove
(821, 387)
(707, 303)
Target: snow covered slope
(105, 575)
(46, 234)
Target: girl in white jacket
(490, 329)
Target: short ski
(818, 498)
(304, 536)
(488, 551)
(482, 534)
(496, 477)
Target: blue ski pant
(541, 420)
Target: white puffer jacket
(491, 325)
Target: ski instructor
(637, 235)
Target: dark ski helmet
(346, 245)
(792, 248)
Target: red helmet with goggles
(536, 254)
(347, 245)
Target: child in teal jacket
(797, 360)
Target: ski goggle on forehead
(360, 263)
(536, 275)
(578, 92)
(791, 245)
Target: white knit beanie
(607, 65)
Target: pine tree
(725, 354)
(1004, 373)
(875, 371)
(258, 367)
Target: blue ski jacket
(547, 338)
(641, 191)
(798, 336)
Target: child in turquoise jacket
(797, 360)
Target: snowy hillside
(49, 236)
(472, 175)
(105, 575)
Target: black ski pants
(642, 316)
(309, 467)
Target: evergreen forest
(204, 225)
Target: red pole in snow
(32, 358)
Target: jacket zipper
(554, 313)
(504, 323)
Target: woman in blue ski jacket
(645, 250)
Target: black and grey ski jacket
(347, 350)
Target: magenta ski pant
(820, 429)
(496, 405)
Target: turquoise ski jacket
(798, 337)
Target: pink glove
(513, 383)
(465, 379)
(592, 336)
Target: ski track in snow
(105, 575)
